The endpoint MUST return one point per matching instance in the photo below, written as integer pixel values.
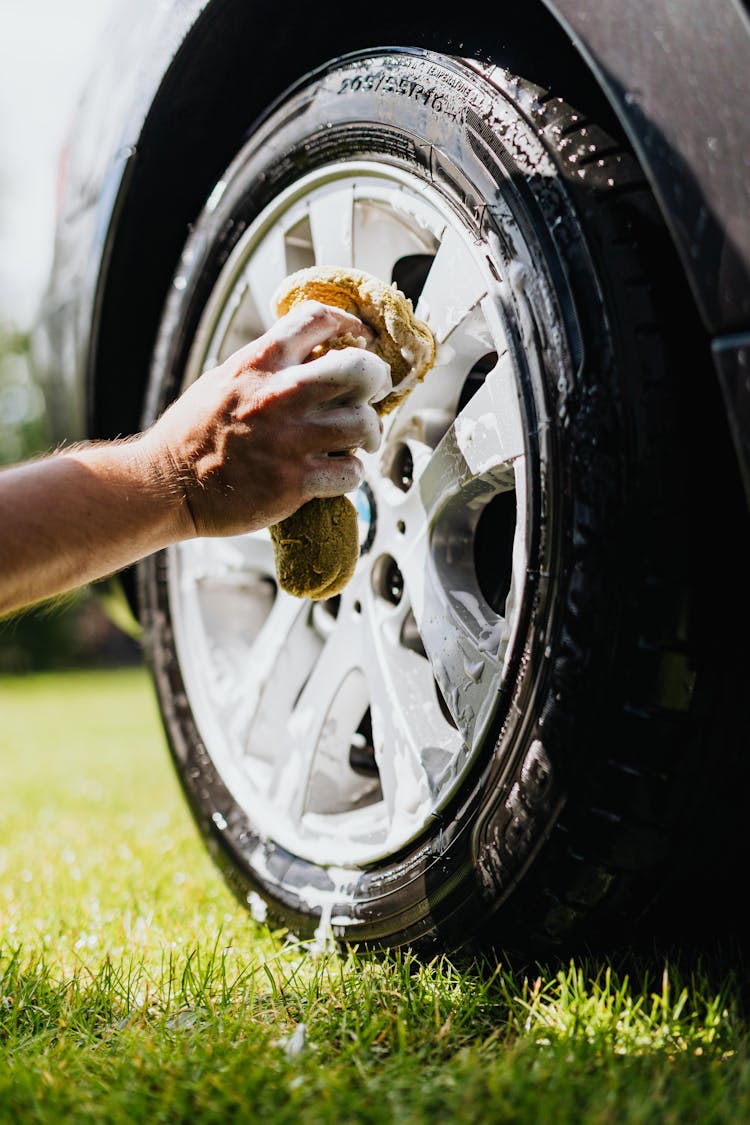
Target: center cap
(364, 502)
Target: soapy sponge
(316, 548)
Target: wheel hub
(364, 502)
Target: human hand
(255, 438)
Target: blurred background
(47, 49)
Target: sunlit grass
(134, 987)
(98, 854)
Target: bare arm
(71, 518)
(243, 447)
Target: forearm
(242, 447)
(76, 516)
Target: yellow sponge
(316, 548)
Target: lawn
(133, 987)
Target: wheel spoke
(223, 557)
(381, 238)
(265, 272)
(414, 744)
(480, 456)
(464, 640)
(466, 644)
(431, 407)
(453, 287)
(246, 324)
(278, 665)
(478, 450)
(321, 721)
(255, 550)
(331, 216)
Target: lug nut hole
(388, 581)
(402, 468)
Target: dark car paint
(188, 80)
(680, 83)
(681, 86)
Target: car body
(654, 75)
(179, 90)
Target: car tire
(516, 678)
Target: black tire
(560, 823)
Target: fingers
(343, 428)
(333, 476)
(291, 339)
(346, 376)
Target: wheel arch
(207, 100)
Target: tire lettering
(402, 87)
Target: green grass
(134, 988)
